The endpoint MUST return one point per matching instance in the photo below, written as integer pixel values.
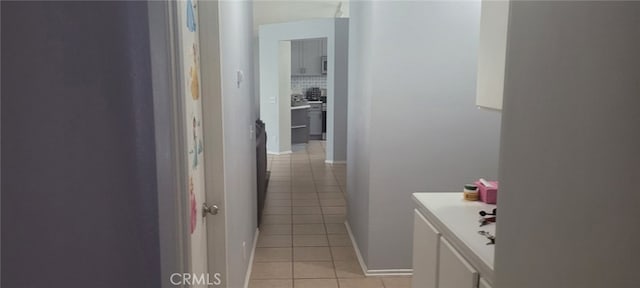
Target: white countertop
(457, 220)
(300, 107)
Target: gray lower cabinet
(299, 125)
(315, 119)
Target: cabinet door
(483, 284)
(295, 58)
(425, 252)
(311, 56)
(492, 53)
(315, 122)
(323, 49)
(453, 270)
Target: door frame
(173, 202)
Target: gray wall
(359, 118)
(236, 18)
(425, 132)
(570, 147)
(79, 196)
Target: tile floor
(303, 241)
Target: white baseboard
(335, 162)
(247, 277)
(374, 272)
(279, 153)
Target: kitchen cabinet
(453, 270)
(315, 120)
(426, 242)
(306, 57)
(492, 51)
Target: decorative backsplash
(302, 83)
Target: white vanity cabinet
(426, 243)
(448, 252)
(453, 270)
(483, 284)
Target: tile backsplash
(300, 84)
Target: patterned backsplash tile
(300, 84)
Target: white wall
(416, 80)
(569, 201)
(239, 147)
(271, 108)
(284, 94)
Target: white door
(189, 62)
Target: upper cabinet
(306, 57)
(492, 53)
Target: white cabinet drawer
(453, 270)
(483, 284)
(425, 253)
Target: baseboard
(279, 153)
(247, 277)
(374, 272)
(335, 162)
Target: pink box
(488, 195)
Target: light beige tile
(308, 219)
(305, 203)
(348, 269)
(310, 240)
(337, 219)
(339, 240)
(270, 203)
(309, 229)
(328, 189)
(397, 282)
(274, 241)
(306, 210)
(304, 190)
(332, 202)
(311, 254)
(334, 210)
(278, 196)
(271, 270)
(275, 229)
(316, 283)
(304, 196)
(336, 228)
(276, 219)
(313, 270)
(273, 255)
(343, 253)
(276, 211)
(328, 195)
(271, 283)
(361, 283)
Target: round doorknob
(209, 209)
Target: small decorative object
(488, 191)
(470, 192)
(484, 220)
(492, 238)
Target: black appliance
(313, 94)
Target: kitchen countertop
(300, 107)
(457, 220)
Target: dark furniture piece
(261, 161)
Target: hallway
(303, 241)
